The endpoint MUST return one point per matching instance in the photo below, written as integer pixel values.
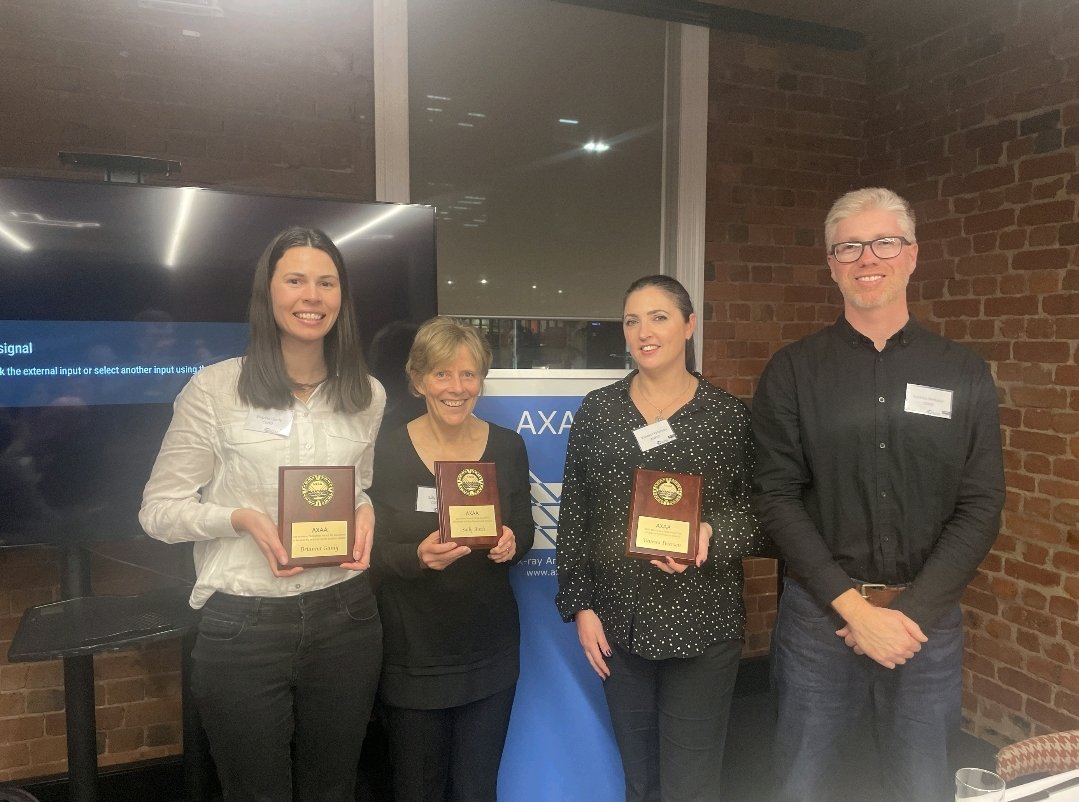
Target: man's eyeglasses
(882, 247)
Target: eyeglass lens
(882, 247)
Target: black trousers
(285, 689)
(451, 754)
(670, 721)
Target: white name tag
(269, 421)
(426, 499)
(654, 434)
(922, 400)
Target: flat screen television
(113, 295)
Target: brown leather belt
(877, 594)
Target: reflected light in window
(15, 239)
(483, 281)
(386, 215)
(529, 169)
(187, 198)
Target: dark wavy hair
(673, 287)
(264, 382)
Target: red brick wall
(785, 134)
(979, 126)
(786, 137)
(277, 96)
(31, 695)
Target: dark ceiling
(838, 24)
(875, 19)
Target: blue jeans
(285, 688)
(670, 721)
(824, 688)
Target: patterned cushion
(1053, 753)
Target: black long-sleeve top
(849, 485)
(646, 611)
(451, 636)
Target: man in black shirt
(880, 478)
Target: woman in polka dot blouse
(665, 638)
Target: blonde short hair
(861, 200)
(437, 343)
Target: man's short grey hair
(861, 200)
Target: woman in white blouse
(287, 660)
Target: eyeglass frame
(870, 242)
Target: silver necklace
(660, 410)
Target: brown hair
(673, 287)
(264, 382)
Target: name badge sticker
(932, 401)
(654, 434)
(269, 421)
(426, 499)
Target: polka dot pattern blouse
(644, 610)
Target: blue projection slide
(52, 363)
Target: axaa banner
(560, 747)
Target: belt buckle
(865, 588)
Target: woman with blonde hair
(451, 627)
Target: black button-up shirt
(850, 484)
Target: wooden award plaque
(664, 516)
(316, 514)
(469, 512)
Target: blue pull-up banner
(560, 746)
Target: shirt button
(883, 446)
(886, 539)
(883, 494)
(297, 587)
(881, 399)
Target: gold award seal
(470, 482)
(667, 491)
(317, 490)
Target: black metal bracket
(121, 168)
